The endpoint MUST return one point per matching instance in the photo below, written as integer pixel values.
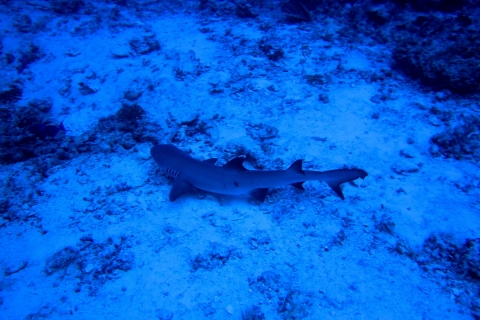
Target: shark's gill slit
(171, 172)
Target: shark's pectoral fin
(298, 185)
(259, 194)
(180, 187)
(211, 160)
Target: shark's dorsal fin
(211, 160)
(236, 164)
(296, 167)
(298, 185)
(180, 187)
(259, 194)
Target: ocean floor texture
(87, 228)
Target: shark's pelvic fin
(298, 185)
(259, 194)
(211, 160)
(336, 188)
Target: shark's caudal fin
(337, 177)
(334, 178)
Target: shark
(234, 179)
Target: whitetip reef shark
(234, 179)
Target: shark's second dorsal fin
(180, 187)
(211, 160)
(296, 167)
(236, 164)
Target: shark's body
(234, 178)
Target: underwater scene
(240, 159)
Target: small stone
(442, 95)
(456, 292)
(120, 52)
(89, 268)
(324, 98)
(406, 154)
(229, 309)
(105, 147)
(405, 168)
(376, 99)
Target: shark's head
(169, 158)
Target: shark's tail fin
(334, 178)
